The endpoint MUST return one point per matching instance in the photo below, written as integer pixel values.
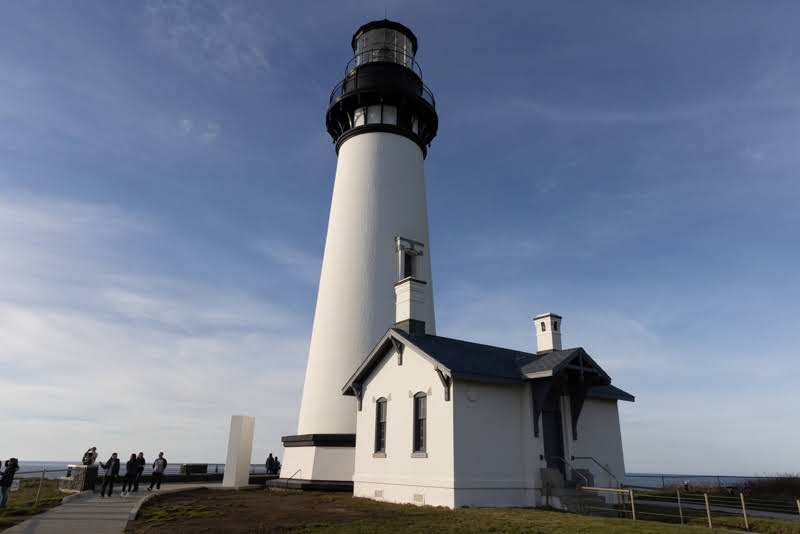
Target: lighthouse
(382, 119)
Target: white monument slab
(240, 448)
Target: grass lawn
(757, 524)
(20, 504)
(264, 511)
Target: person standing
(159, 466)
(140, 463)
(270, 464)
(131, 468)
(7, 477)
(89, 456)
(111, 468)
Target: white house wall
(399, 477)
(496, 455)
(599, 436)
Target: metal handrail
(383, 54)
(599, 464)
(575, 471)
(291, 477)
(40, 471)
(352, 78)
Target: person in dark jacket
(159, 466)
(140, 463)
(7, 477)
(270, 464)
(131, 468)
(111, 471)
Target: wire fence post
(708, 510)
(41, 479)
(798, 506)
(633, 505)
(662, 482)
(680, 508)
(578, 498)
(744, 512)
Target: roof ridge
(410, 336)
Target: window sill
(419, 454)
(379, 455)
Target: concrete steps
(586, 503)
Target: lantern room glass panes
(384, 44)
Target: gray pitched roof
(610, 392)
(464, 360)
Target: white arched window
(420, 418)
(380, 425)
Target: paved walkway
(90, 513)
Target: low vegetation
(783, 486)
(260, 511)
(757, 524)
(21, 503)
(166, 513)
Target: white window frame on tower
(408, 247)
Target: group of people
(273, 465)
(133, 471)
(10, 468)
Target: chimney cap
(548, 314)
(410, 279)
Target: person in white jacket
(159, 466)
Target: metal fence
(257, 470)
(681, 507)
(42, 475)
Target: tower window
(408, 265)
(380, 425)
(544, 328)
(409, 253)
(420, 417)
(555, 326)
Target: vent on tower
(548, 332)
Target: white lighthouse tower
(382, 118)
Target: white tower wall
(378, 194)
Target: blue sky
(165, 181)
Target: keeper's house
(451, 423)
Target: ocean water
(658, 480)
(54, 469)
(644, 480)
(59, 469)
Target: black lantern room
(382, 90)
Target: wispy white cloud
(298, 263)
(752, 154)
(221, 39)
(123, 357)
(204, 131)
